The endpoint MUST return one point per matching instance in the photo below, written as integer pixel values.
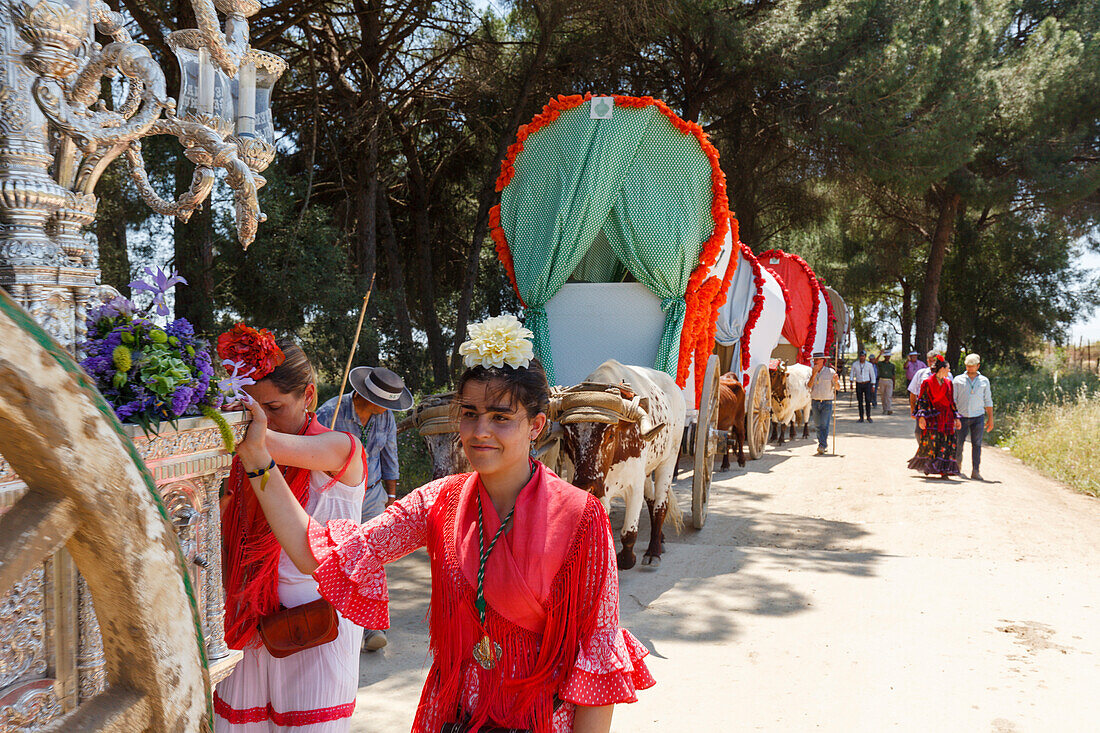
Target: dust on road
(841, 593)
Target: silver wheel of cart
(759, 412)
(706, 444)
(89, 491)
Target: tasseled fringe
(250, 556)
(525, 702)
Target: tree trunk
(488, 189)
(954, 344)
(928, 305)
(366, 224)
(420, 197)
(397, 289)
(437, 350)
(906, 318)
(366, 236)
(194, 259)
(857, 325)
(110, 230)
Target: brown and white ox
(731, 416)
(790, 395)
(436, 424)
(621, 433)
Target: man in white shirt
(974, 401)
(823, 386)
(914, 390)
(864, 375)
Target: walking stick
(351, 355)
(834, 426)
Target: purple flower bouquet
(149, 373)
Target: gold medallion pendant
(486, 652)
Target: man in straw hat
(367, 412)
(823, 385)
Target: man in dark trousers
(864, 375)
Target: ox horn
(637, 410)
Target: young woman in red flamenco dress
(938, 420)
(524, 617)
(323, 474)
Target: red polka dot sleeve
(350, 556)
(609, 668)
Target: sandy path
(843, 594)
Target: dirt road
(842, 593)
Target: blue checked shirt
(972, 396)
(379, 437)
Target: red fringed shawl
(939, 413)
(250, 552)
(542, 584)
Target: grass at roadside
(1050, 420)
(1061, 440)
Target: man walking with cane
(824, 383)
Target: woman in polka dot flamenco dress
(524, 616)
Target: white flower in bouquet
(496, 342)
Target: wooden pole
(351, 354)
(834, 423)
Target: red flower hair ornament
(255, 349)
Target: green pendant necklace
(486, 651)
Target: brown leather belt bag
(291, 630)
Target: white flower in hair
(496, 342)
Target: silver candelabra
(58, 134)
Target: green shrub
(1017, 395)
(1060, 439)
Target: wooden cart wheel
(706, 444)
(759, 412)
(89, 491)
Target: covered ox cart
(748, 330)
(809, 324)
(614, 228)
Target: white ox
(791, 399)
(621, 433)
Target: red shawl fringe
(250, 552)
(572, 613)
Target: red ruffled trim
(690, 337)
(754, 313)
(830, 320)
(343, 569)
(585, 687)
(292, 718)
(807, 346)
(606, 689)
